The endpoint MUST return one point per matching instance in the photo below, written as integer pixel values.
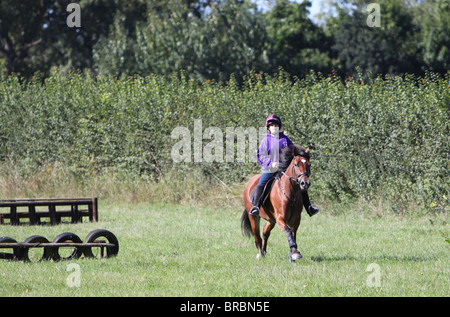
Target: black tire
(23, 253)
(9, 256)
(67, 237)
(102, 233)
(7, 240)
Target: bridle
(296, 180)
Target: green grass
(184, 250)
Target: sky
(314, 9)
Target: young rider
(268, 157)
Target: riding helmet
(273, 119)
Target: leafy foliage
(295, 43)
(435, 38)
(214, 39)
(388, 49)
(381, 136)
(228, 41)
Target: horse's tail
(246, 227)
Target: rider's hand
(274, 164)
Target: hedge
(378, 136)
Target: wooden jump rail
(75, 213)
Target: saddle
(265, 196)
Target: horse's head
(298, 169)
(301, 167)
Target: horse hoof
(260, 255)
(295, 256)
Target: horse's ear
(307, 150)
(294, 151)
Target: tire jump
(99, 243)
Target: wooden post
(75, 214)
(94, 210)
(52, 212)
(14, 217)
(32, 214)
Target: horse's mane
(287, 154)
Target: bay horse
(285, 205)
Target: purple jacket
(270, 148)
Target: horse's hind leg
(266, 233)
(256, 233)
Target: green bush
(384, 137)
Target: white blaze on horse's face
(303, 176)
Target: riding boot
(309, 208)
(256, 200)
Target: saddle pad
(265, 196)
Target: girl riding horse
(268, 156)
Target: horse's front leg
(294, 254)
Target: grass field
(182, 250)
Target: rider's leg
(256, 195)
(309, 208)
(257, 192)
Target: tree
(434, 19)
(181, 35)
(295, 43)
(34, 35)
(21, 28)
(390, 48)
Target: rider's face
(274, 128)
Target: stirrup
(312, 211)
(254, 211)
